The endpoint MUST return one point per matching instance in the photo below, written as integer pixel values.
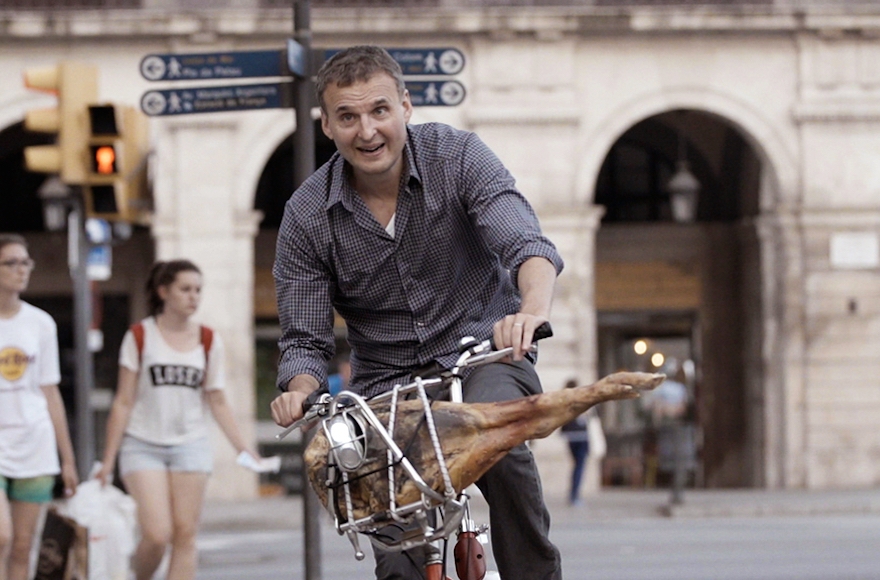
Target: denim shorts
(29, 489)
(138, 455)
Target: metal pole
(303, 167)
(78, 253)
(304, 136)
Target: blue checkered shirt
(461, 232)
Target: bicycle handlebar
(473, 354)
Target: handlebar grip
(543, 331)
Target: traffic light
(76, 85)
(118, 145)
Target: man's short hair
(356, 64)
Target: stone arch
(771, 250)
(762, 135)
(256, 150)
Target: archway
(689, 291)
(274, 188)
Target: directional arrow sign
(190, 100)
(217, 65)
(422, 62)
(435, 93)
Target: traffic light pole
(78, 254)
(303, 167)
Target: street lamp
(683, 188)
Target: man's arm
(536, 281)
(509, 226)
(305, 312)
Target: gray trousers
(519, 520)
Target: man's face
(367, 121)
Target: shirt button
(420, 324)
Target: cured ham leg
(473, 437)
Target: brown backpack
(206, 336)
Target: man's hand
(287, 407)
(536, 280)
(517, 331)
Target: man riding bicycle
(417, 236)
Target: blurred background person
(33, 423)
(170, 373)
(575, 431)
(666, 408)
(338, 381)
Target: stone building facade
(776, 285)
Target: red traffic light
(104, 159)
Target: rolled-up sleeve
(502, 214)
(303, 288)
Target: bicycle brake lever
(318, 409)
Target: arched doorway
(688, 290)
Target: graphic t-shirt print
(176, 376)
(14, 363)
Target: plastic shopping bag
(111, 518)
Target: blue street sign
(99, 263)
(422, 62)
(217, 65)
(435, 93)
(190, 100)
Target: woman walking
(579, 447)
(33, 423)
(170, 375)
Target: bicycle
(356, 456)
(353, 428)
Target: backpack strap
(137, 330)
(207, 338)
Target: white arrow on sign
(452, 93)
(153, 103)
(153, 68)
(451, 62)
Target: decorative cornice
(535, 115)
(837, 112)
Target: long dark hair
(164, 274)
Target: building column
(782, 272)
(196, 218)
(572, 352)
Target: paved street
(624, 538)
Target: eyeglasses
(26, 263)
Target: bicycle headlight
(348, 440)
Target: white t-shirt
(170, 407)
(28, 361)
